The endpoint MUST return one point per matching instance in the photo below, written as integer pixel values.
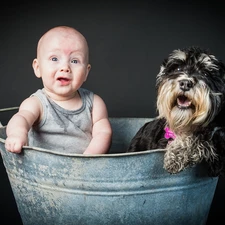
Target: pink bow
(169, 134)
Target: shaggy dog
(191, 116)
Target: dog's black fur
(191, 102)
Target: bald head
(63, 32)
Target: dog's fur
(190, 102)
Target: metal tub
(116, 188)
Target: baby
(61, 116)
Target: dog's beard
(184, 111)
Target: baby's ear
(36, 68)
(87, 71)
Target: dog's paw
(173, 163)
(173, 166)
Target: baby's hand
(15, 143)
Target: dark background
(127, 41)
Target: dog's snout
(186, 85)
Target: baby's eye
(54, 59)
(74, 61)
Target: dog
(190, 104)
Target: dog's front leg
(175, 159)
(183, 152)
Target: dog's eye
(173, 68)
(178, 69)
(204, 73)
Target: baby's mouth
(63, 80)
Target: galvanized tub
(111, 189)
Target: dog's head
(190, 88)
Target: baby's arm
(19, 125)
(102, 131)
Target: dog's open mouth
(183, 102)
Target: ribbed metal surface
(117, 188)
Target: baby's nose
(65, 68)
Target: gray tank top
(62, 130)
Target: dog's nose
(185, 85)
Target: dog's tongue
(183, 101)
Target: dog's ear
(221, 84)
(219, 119)
(219, 105)
(161, 74)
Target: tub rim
(107, 155)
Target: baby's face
(62, 61)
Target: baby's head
(63, 33)
(62, 58)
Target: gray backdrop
(127, 41)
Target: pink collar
(169, 134)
